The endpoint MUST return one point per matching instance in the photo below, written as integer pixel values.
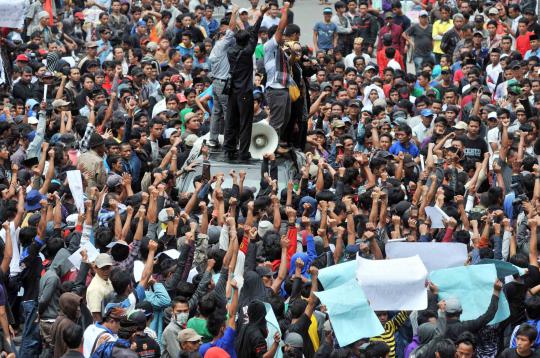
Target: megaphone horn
(264, 139)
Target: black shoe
(245, 158)
(232, 156)
(213, 144)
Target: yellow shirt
(439, 29)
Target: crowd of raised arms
(189, 178)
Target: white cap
(492, 115)
(242, 10)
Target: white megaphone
(264, 139)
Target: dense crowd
(121, 239)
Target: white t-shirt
(14, 266)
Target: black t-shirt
(147, 347)
(512, 353)
(301, 327)
(515, 293)
(532, 278)
(474, 148)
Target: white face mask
(181, 318)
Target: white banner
(12, 13)
(393, 285)
(434, 255)
(76, 188)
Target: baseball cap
(190, 140)
(453, 305)
(60, 103)
(389, 15)
(492, 115)
(103, 260)
(426, 112)
(48, 74)
(114, 180)
(423, 13)
(91, 44)
(478, 18)
(368, 68)
(294, 340)
(79, 15)
(479, 33)
(32, 120)
(520, 108)
(338, 123)
(327, 10)
(22, 57)
(493, 11)
(461, 125)
(264, 226)
(188, 335)
(325, 85)
(242, 10)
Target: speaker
(264, 139)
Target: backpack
(105, 350)
(448, 43)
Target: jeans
(220, 111)
(31, 340)
(418, 60)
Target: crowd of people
(108, 106)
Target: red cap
(42, 51)
(22, 57)
(79, 15)
(181, 97)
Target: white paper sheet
(436, 215)
(12, 13)
(76, 188)
(91, 251)
(434, 255)
(393, 285)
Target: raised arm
(282, 23)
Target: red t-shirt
(523, 43)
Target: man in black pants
(238, 127)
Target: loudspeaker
(264, 139)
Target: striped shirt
(390, 328)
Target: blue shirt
(397, 148)
(103, 55)
(226, 343)
(325, 35)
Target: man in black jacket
(23, 88)
(454, 326)
(240, 105)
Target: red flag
(47, 6)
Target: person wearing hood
(50, 286)
(427, 337)
(259, 283)
(69, 314)
(251, 340)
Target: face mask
(181, 318)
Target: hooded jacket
(69, 305)
(50, 285)
(251, 341)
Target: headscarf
(52, 61)
(366, 102)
